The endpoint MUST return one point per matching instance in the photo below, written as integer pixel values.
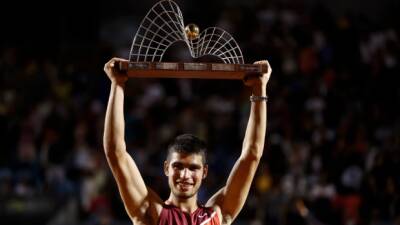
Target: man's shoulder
(149, 211)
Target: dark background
(333, 139)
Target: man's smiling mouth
(184, 185)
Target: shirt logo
(202, 216)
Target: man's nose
(185, 173)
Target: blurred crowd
(333, 143)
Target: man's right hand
(112, 72)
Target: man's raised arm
(134, 193)
(231, 198)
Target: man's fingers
(262, 62)
(116, 60)
(252, 79)
(112, 63)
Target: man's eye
(177, 167)
(193, 168)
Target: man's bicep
(132, 188)
(232, 197)
(216, 199)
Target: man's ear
(205, 171)
(166, 163)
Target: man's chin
(184, 195)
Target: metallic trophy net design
(163, 26)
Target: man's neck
(187, 205)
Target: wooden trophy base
(189, 70)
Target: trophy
(163, 26)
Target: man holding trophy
(185, 165)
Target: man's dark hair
(188, 144)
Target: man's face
(185, 173)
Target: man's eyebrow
(191, 165)
(195, 165)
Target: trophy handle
(189, 70)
